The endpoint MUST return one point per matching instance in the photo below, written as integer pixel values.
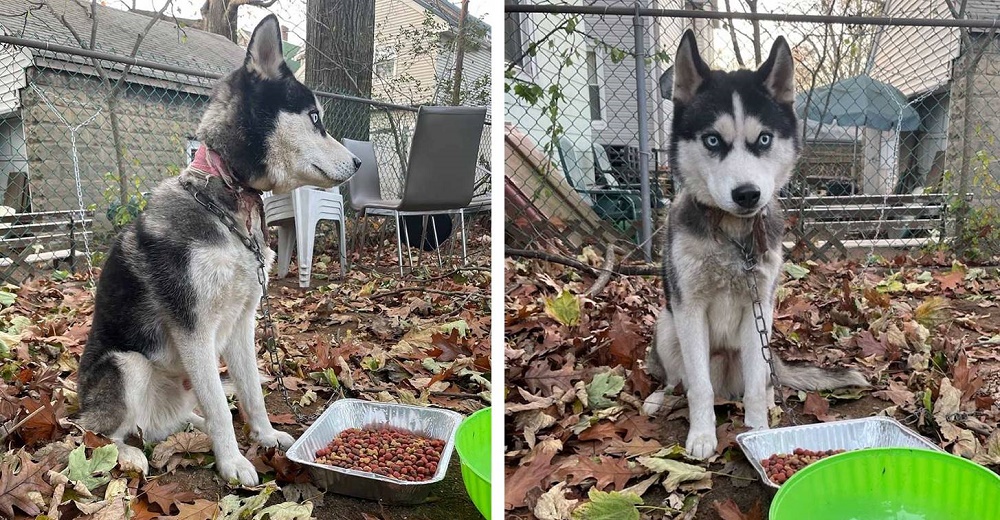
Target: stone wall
(983, 134)
(154, 127)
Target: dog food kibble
(384, 451)
(780, 466)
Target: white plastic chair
(302, 210)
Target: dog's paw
(701, 445)
(274, 438)
(132, 459)
(653, 403)
(237, 469)
(756, 420)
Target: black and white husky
(733, 146)
(180, 289)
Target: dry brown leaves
(421, 340)
(902, 322)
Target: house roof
(450, 13)
(915, 60)
(117, 31)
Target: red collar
(248, 199)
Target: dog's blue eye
(711, 141)
(764, 140)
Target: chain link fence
(86, 133)
(895, 99)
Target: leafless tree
(219, 16)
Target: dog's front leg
(241, 361)
(691, 320)
(756, 372)
(199, 357)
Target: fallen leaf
(166, 495)
(538, 472)
(729, 510)
(564, 308)
(676, 471)
(607, 471)
(609, 506)
(92, 472)
(603, 386)
(286, 511)
(553, 504)
(199, 510)
(817, 406)
(19, 478)
(180, 443)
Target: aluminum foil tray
(355, 413)
(852, 434)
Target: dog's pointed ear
(264, 54)
(778, 72)
(667, 83)
(689, 69)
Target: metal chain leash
(270, 334)
(750, 277)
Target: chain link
(270, 334)
(750, 277)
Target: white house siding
(620, 125)
(543, 70)
(391, 17)
(475, 66)
(13, 61)
(13, 154)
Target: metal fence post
(640, 92)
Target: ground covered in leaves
(422, 339)
(926, 333)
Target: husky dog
(733, 146)
(180, 288)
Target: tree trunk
(456, 95)
(217, 17)
(339, 59)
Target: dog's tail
(807, 377)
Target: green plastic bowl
(472, 441)
(889, 484)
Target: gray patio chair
(439, 176)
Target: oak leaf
(606, 470)
(180, 443)
(165, 496)
(19, 476)
(199, 510)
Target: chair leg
(305, 234)
(465, 250)
(362, 233)
(423, 239)
(399, 246)
(379, 242)
(343, 246)
(437, 242)
(409, 247)
(286, 239)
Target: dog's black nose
(357, 164)
(746, 195)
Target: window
(385, 66)
(514, 30)
(594, 86)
